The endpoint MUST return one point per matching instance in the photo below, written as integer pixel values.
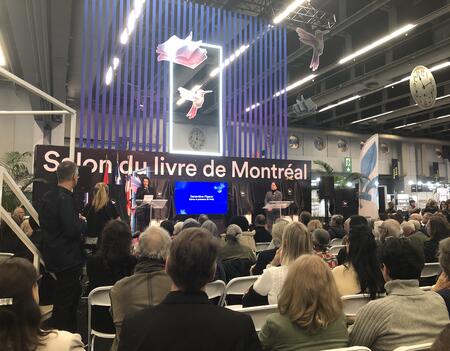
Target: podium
(156, 204)
(278, 205)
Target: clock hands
(421, 82)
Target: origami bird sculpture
(197, 97)
(315, 41)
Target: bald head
(390, 227)
(154, 243)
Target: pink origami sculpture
(197, 97)
(184, 52)
(315, 41)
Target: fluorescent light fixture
(181, 101)
(432, 69)
(377, 43)
(411, 182)
(371, 117)
(2, 57)
(131, 21)
(340, 103)
(415, 123)
(248, 109)
(397, 82)
(229, 60)
(124, 37)
(299, 83)
(291, 7)
(443, 97)
(407, 125)
(109, 75)
(116, 62)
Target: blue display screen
(201, 197)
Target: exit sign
(348, 164)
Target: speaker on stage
(326, 187)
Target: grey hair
(444, 255)
(211, 227)
(390, 227)
(408, 228)
(233, 229)
(277, 232)
(178, 227)
(321, 238)
(154, 243)
(416, 224)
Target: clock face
(197, 139)
(294, 142)
(423, 87)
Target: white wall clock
(423, 87)
(197, 139)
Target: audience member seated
(398, 216)
(438, 229)
(391, 208)
(313, 225)
(361, 273)
(262, 235)
(407, 315)
(310, 317)
(321, 239)
(425, 218)
(409, 231)
(185, 320)
(305, 217)
(336, 228)
(20, 316)
(149, 285)
(418, 234)
(246, 237)
(202, 218)
(431, 206)
(442, 341)
(390, 228)
(9, 241)
(296, 242)
(178, 227)
(168, 226)
(442, 286)
(265, 257)
(190, 223)
(416, 217)
(211, 227)
(233, 249)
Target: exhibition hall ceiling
(370, 92)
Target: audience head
(18, 215)
(20, 317)
(443, 206)
(416, 224)
(233, 230)
(115, 243)
(202, 218)
(390, 228)
(426, 217)
(277, 232)
(400, 260)
(412, 203)
(416, 217)
(260, 220)
(67, 174)
(211, 227)
(178, 227)
(192, 260)
(408, 228)
(357, 220)
(383, 216)
(190, 223)
(337, 220)
(296, 241)
(432, 204)
(376, 229)
(321, 239)
(305, 217)
(398, 216)
(101, 196)
(438, 227)
(315, 304)
(241, 221)
(168, 226)
(444, 256)
(313, 225)
(390, 205)
(145, 181)
(442, 341)
(154, 243)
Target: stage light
(2, 57)
(371, 117)
(124, 37)
(410, 182)
(340, 103)
(349, 184)
(440, 66)
(109, 75)
(291, 7)
(377, 43)
(419, 183)
(116, 62)
(248, 109)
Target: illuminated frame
(171, 102)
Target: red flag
(106, 172)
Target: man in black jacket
(62, 245)
(262, 235)
(186, 320)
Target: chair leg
(92, 342)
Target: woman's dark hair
(439, 227)
(21, 321)
(357, 220)
(115, 241)
(362, 255)
(168, 225)
(241, 221)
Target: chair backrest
(431, 270)
(352, 303)
(5, 255)
(426, 288)
(262, 246)
(334, 250)
(336, 241)
(100, 296)
(259, 314)
(215, 289)
(353, 348)
(239, 286)
(418, 347)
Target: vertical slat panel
(139, 80)
(85, 43)
(235, 93)
(270, 94)
(244, 83)
(266, 104)
(111, 89)
(206, 10)
(152, 75)
(158, 80)
(103, 86)
(230, 86)
(261, 129)
(179, 17)
(90, 79)
(281, 97)
(125, 91)
(119, 82)
(132, 92)
(145, 95)
(99, 72)
(239, 91)
(164, 78)
(285, 141)
(276, 88)
(250, 89)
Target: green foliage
(340, 181)
(326, 168)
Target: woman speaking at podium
(272, 195)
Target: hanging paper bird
(315, 41)
(197, 97)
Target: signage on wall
(395, 169)
(348, 164)
(170, 166)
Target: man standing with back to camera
(62, 245)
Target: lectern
(278, 205)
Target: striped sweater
(406, 316)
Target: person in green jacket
(310, 313)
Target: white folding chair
(98, 297)
(215, 289)
(431, 270)
(262, 246)
(238, 286)
(334, 250)
(426, 288)
(352, 348)
(259, 314)
(336, 241)
(418, 347)
(352, 303)
(5, 255)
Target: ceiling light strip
(340, 103)
(371, 117)
(290, 8)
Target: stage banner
(368, 194)
(170, 166)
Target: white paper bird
(315, 41)
(197, 97)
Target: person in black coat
(336, 229)
(143, 212)
(439, 229)
(262, 235)
(186, 320)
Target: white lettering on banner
(236, 173)
(221, 171)
(102, 166)
(93, 162)
(208, 169)
(48, 159)
(191, 170)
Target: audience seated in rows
(296, 242)
(149, 284)
(9, 242)
(438, 228)
(20, 316)
(232, 248)
(265, 257)
(313, 225)
(185, 320)
(336, 229)
(407, 315)
(442, 286)
(321, 240)
(310, 310)
(361, 272)
(262, 235)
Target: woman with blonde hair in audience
(20, 316)
(296, 241)
(314, 224)
(310, 310)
